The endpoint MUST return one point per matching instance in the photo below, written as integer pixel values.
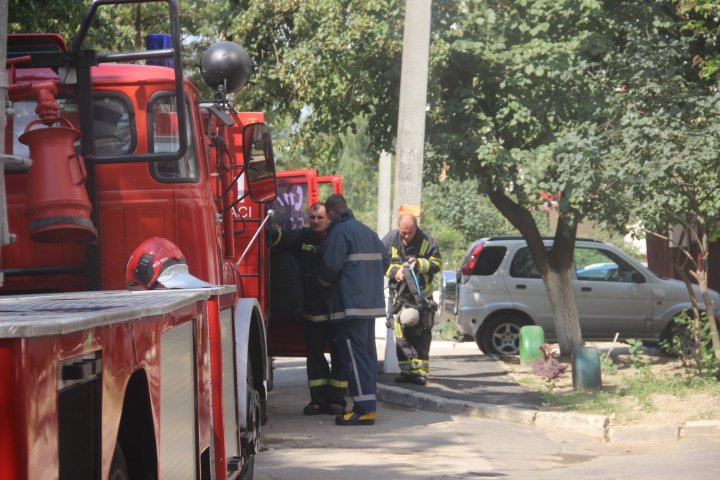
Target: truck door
(297, 190)
(327, 185)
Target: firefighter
(158, 262)
(327, 382)
(354, 261)
(414, 259)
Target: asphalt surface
(465, 382)
(470, 378)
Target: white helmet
(409, 316)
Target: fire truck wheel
(251, 437)
(118, 466)
(271, 373)
(248, 470)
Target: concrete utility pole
(413, 104)
(384, 186)
(411, 126)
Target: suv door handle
(586, 289)
(520, 286)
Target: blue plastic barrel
(586, 368)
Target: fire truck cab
(97, 381)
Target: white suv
(498, 290)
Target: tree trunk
(697, 338)
(138, 29)
(566, 319)
(701, 276)
(698, 270)
(555, 267)
(710, 312)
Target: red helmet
(158, 261)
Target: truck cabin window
(113, 125)
(290, 205)
(163, 137)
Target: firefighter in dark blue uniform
(414, 259)
(327, 382)
(355, 260)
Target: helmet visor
(178, 276)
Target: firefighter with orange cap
(415, 258)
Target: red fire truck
(97, 381)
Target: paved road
(410, 443)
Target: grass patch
(639, 387)
(707, 415)
(600, 401)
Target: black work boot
(314, 409)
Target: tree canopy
(592, 102)
(530, 97)
(323, 64)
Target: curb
(597, 426)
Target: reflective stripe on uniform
(354, 370)
(358, 312)
(415, 366)
(365, 312)
(397, 328)
(363, 257)
(338, 383)
(424, 247)
(361, 398)
(427, 285)
(319, 382)
(316, 318)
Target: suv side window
(489, 261)
(599, 265)
(523, 265)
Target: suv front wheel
(501, 335)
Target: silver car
(498, 289)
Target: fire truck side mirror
(259, 162)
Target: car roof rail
(516, 237)
(504, 238)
